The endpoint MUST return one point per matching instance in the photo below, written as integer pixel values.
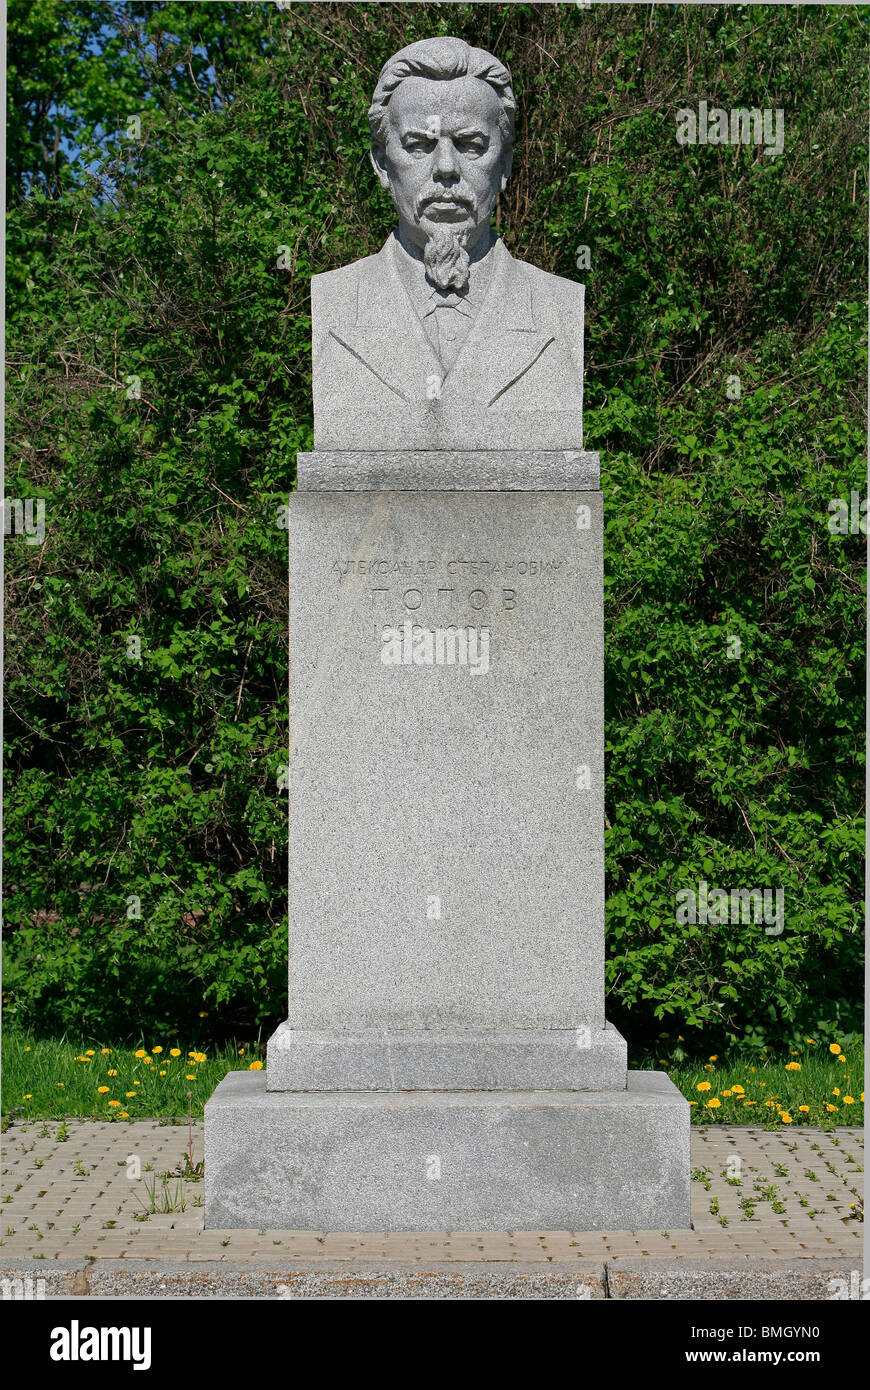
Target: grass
(805, 1085)
(56, 1079)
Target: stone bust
(443, 340)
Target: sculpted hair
(442, 60)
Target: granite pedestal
(446, 1062)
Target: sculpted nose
(445, 165)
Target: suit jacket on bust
(517, 381)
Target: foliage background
(156, 257)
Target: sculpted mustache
(457, 199)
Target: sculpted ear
(377, 157)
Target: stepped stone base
(570, 1059)
(460, 1160)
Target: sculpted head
(442, 124)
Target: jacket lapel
(388, 336)
(504, 340)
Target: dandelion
(242, 1051)
(727, 1093)
(794, 1054)
(113, 1071)
(714, 1103)
(162, 1073)
(738, 1089)
(848, 1100)
(124, 1115)
(137, 1083)
(103, 1090)
(811, 1041)
(714, 1058)
(703, 1086)
(189, 1076)
(750, 1102)
(128, 1094)
(27, 1049)
(804, 1108)
(840, 1057)
(60, 1083)
(114, 1102)
(785, 1117)
(89, 1052)
(256, 1066)
(835, 1048)
(175, 1051)
(836, 1091)
(140, 1052)
(148, 1061)
(29, 1095)
(105, 1051)
(158, 1048)
(830, 1108)
(203, 1014)
(792, 1066)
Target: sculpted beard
(446, 260)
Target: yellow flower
(680, 1038)
(714, 1103)
(692, 1102)
(727, 1093)
(256, 1066)
(189, 1076)
(29, 1095)
(147, 1061)
(60, 1083)
(27, 1049)
(792, 1066)
(750, 1102)
(203, 1014)
(848, 1100)
(836, 1091)
(140, 1052)
(158, 1048)
(89, 1052)
(124, 1115)
(128, 1094)
(714, 1058)
(113, 1071)
(835, 1048)
(703, 1086)
(737, 1089)
(794, 1054)
(841, 1058)
(762, 1083)
(114, 1102)
(137, 1083)
(103, 1090)
(197, 1056)
(708, 1067)
(241, 1052)
(785, 1117)
(862, 1097)
(811, 1041)
(752, 1069)
(161, 1073)
(105, 1051)
(830, 1107)
(175, 1051)
(804, 1108)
